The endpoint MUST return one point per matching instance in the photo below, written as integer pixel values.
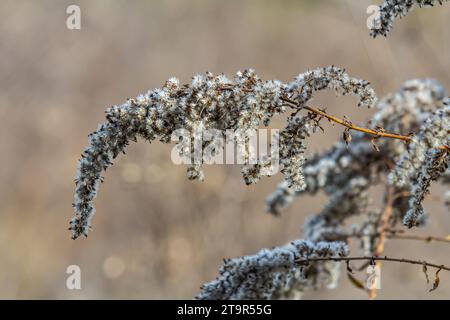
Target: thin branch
(351, 126)
(373, 259)
(346, 123)
(387, 214)
(385, 219)
(391, 235)
(421, 238)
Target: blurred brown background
(157, 235)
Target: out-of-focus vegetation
(156, 234)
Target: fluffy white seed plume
(435, 132)
(209, 102)
(332, 78)
(273, 273)
(392, 9)
(346, 172)
(437, 161)
(404, 112)
(292, 147)
(424, 162)
(417, 114)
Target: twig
(391, 235)
(348, 124)
(385, 218)
(371, 259)
(387, 214)
(422, 238)
(351, 126)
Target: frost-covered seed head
(392, 9)
(274, 273)
(209, 102)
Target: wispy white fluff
(392, 9)
(209, 102)
(273, 273)
(405, 111)
(436, 161)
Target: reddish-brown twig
(373, 259)
(351, 126)
(385, 218)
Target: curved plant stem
(351, 126)
(385, 219)
(421, 238)
(374, 259)
(393, 235)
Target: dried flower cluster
(209, 102)
(347, 171)
(275, 273)
(392, 9)
(419, 106)
(423, 162)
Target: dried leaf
(347, 136)
(436, 281)
(424, 270)
(357, 283)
